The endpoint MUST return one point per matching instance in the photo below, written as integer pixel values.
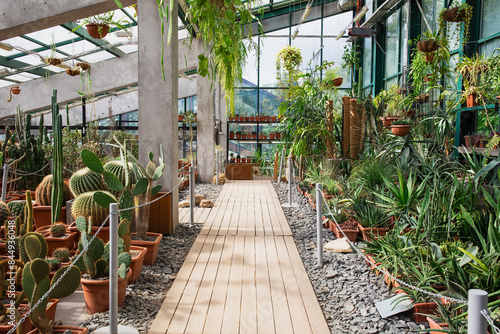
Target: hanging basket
(54, 61)
(400, 130)
(427, 46)
(454, 14)
(338, 81)
(83, 66)
(73, 71)
(16, 90)
(97, 31)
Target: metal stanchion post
(319, 230)
(217, 168)
(282, 161)
(478, 300)
(113, 327)
(290, 203)
(191, 195)
(5, 179)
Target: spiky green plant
(86, 206)
(4, 212)
(58, 230)
(43, 192)
(17, 208)
(62, 254)
(85, 180)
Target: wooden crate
(239, 171)
(160, 220)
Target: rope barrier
(148, 203)
(25, 173)
(486, 314)
(432, 294)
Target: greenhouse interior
(250, 166)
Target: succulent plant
(53, 263)
(62, 254)
(23, 223)
(43, 192)
(85, 205)
(4, 212)
(116, 167)
(36, 282)
(17, 208)
(95, 259)
(85, 180)
(58, 230)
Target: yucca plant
(368, 215)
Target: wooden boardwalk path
(243, 273)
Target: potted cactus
(42, 210)
(94, 262)
(36, 282)
(57, 236)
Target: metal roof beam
(16, 64)
(82, 32)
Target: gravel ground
(346, 288)
(209, 190)
(145, 297)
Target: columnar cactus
(86, 206)
(57, 194)
(85, 180)
(43, 192)
(58, 230)
(95, 260)
(4, 212)
(36, 280)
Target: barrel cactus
(62, 254)
(85, 206)
(85, 180)
(17, 208)
(58, 230)
(116, 167)
(4, 212)
(44, 192)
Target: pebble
(346, 288)
(145, 296)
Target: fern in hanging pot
(457, 13)
(288, 61)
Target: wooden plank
(313, 309)
(296, 306)
(266, 218)
(265, 313)
(186, 302)
(258, 220)
(282, 320)
(231, 319)
(204, 215)
(248, 322)
(162, 320)
(198, 314)
(213, 321)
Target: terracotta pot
(261, 136)
(231, 135)
(230, 119)
(61, 329)
(42, 215)
(435, 325)
(11, 198)
(247, 118)
(369, 232)
(96, 293)
(180, 118)
(467, 141)
(421, 310)
(152, 247)
(238, 160)
(26, 326)
(272, 136)
(274, 118)
(338, 81)
(350, 234)
(400, 130)
(103, 233)
(371, 262)
(252, 118)
(52, 242)
(471, 100)
(97, 31)
(15, 90)
(136, 265)
(238, 136)
(254, 136)
(387, 121)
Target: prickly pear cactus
(4, 212)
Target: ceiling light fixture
(123, 33)
(303, 18)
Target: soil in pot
(387, 121)
(152, 245)
(138, 254)
(96, 293)
(349, 227)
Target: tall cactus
(36, 282)
(57, 163)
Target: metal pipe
(191, 195)
(290, 180)
(319, 219)
(282, 161)
(113, 269)
(478, 300)
(5, 179)
(217, 168)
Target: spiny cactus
(57, 190)
(85, 180)
(4, 212)
(95, 260)
(36, 280)
(116, 167)
(28, 213)
(58, 230)
(17, 208)
(44, 192)
(53, 263)
(62, 254)
(85, 205)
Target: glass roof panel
(54, 68)
(98, 56)
(77, 47)
(129, 48)
(30, 59)
(23, 77)
(4, 83)
(334, 24)
(50, 53)
(17, 42)
(52, 35)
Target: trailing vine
(289, 59)
(456, 13)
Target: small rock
(184, 204)
(206, 203)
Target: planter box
(421, 310)
(151, 246)
(96, 293)
(350, 234)
(239, 171)
(435, 325)
(136, 264)
(160, 214)
(42, 215)
(369, 232)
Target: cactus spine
(62, 254)
(85, 206)
(17, 208)
(57, 163)
(4, 212)
(43, 194)
(58, 230)
(85, 180)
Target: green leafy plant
(459, 12)
(288, 61)
(402, 121)
(107, 19)
(369, 215)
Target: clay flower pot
(272, 136)
(435, 325)
(97, 31)
(387, 121)
(26, 326)
(400, 130)
(421, 310)
(151, 246)
(67, 241)
(61, 329)
(42, 215)
(351, 234)
(338, 81)
(96, 293)
(274, 118)
(103, 233)
(472, 101)
(369, 232)
(137, 262)
(15, 90)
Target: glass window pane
(490, 46)
(245, 102)
(491, 12)
(180, 106)
(367, 62)
(333, 51)
(432, 8)
(269, 102)
(404, 34)
(270, 46)
(392, 46)
(191, 104)
(251, 67)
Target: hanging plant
(98, 25)
(73, 71)
(83, 66)
(16, 89)
(222, 27)
(288, 59)
(457, 13)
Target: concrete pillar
(205, 143)
(158, 98)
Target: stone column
(205, 142)
(158, 98)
